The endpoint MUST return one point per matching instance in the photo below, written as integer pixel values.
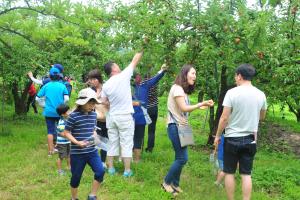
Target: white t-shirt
(245, 102)
(118, 91)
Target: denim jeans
(78, 163)
(181, 157)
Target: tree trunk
(214, 120)
(294, 110)
(200, 95)
(20, 98)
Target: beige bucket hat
(85, 95)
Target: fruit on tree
(294, 10)
(260, 54)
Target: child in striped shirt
(79, 129)
(62, 144)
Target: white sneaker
(61, 172)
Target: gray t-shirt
(245, 102)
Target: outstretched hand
(30, 74)
(164, 67)
(209, 103)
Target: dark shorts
(63, 150)
(103, 131)
(239, 150)
(51, 124)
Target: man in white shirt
(244, 106)
(120, 124)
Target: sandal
(177, 189)
(169, 189)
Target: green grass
(27, 173)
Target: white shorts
(120, 134)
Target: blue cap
(54, 71)
(59, 66)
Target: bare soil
(279, 139)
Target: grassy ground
(26, 172)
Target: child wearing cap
(80, 126)
(54, 93)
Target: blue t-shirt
(54, 93)
(60, 128)
(141, 91)
(141, 94)
(221, 148)
(82, 127)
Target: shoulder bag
(184, 132)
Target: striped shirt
(152, 96)
(60, 128)
(152, 93)
(82, 127)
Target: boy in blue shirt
(55, 93)
(62, 144)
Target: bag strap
(171, 115)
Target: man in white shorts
(119, 121)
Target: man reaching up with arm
(120, 124)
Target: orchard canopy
(214, 35)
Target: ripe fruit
(260, 54)
(146, 39)
(225, 28)
(237, 40)
(294, 10)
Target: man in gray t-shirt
(244, 106)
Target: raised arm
(37, 81)
(136, 59)
(152, 81)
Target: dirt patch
(278, 138)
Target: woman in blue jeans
(179, 107)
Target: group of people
(120, 109)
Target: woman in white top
(179, 107)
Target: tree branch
(5, 44)
(19, 34)
(291, 108)
(10, 9)
(43, 12)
